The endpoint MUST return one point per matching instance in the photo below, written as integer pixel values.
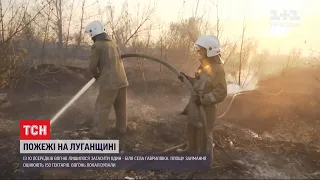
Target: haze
(299, 34)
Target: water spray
(79, 94)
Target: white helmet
(211, 43)
(94, 28)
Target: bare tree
(140, 45)
(126, 27)
(165, 42)
(291, 61)
(254, 68)
(55, 15)
(68, 30)
(15, 24)
(314, 60)
(46, 34)
(10, 53)
(2, 22)
(227, 46)
(218, 27)
(58, 29)
(241, 58)
(79, 38)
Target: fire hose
(170, 67)
(176, 72)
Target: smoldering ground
(272, 136)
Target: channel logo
(34, 129)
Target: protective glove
(97, 76)
(197, 75)
(185, 111)
(181, 76)
(198, 101)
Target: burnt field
(274, 136)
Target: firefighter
(211, 88)
(106, 66)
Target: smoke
(249, 82)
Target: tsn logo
(35, 130)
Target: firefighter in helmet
(107, 67)
(211, 88)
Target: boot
(192, 138)
(206, 146)
(122, 141)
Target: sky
(279, 36)
(276, 35)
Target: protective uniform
(107, 67)
(210, 85)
